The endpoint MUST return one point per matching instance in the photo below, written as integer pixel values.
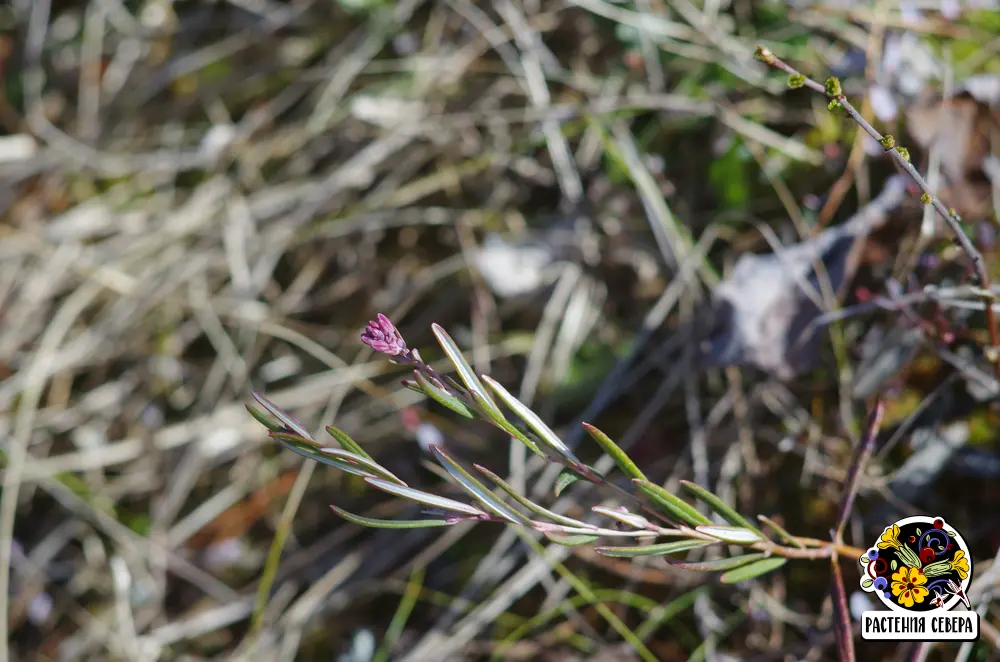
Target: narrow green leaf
(390, 523)
(784, 535)
(566, 478)
(526, 503)
(477, 489)
(369, 465)
(346, 442)
(442, 397)
(424, 497)
(623, 516)
(623, 461)
(570, 539)
(465, 371)
(753, 570)
(263, 419)
(308, 449)
(532, 420)
(507, 426)
(287, 421)
(716, 565)
(734, 534)
(720, 506)
(672, 505)
(653, 550)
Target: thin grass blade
(672, 505)
(717, 565)
(477, 489)
(621, 458)
(424, 497)
(390, 523)
(720, 506)
(653, 550)
(753, 570)
(442, 397)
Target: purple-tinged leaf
(426, 498)
(373, 467)
(308, 449)
(477, 489)
(529, 505)
(289, 422)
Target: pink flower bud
(382, 336)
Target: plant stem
(951, 218)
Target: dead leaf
(763, 308)
(961, 130)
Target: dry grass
(216, 196)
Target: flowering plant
(648, 512)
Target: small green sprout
(833, 87)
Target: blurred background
(203, 197)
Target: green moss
(730, 178)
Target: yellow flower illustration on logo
(890, 538)
(960, 564)
(908, 584)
